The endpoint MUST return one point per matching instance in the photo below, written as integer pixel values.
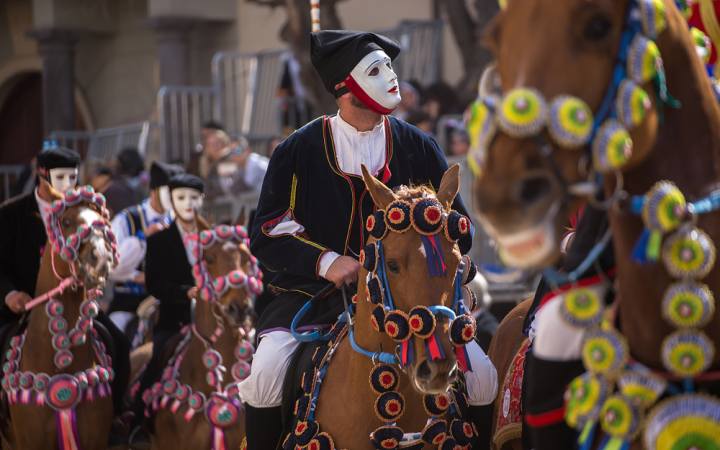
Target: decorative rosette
(689, 253)
(687, 353)
(571, 122)
(456, 226)
(522, 113)
(620, 418)
(664, 206)
(369, 257)
(387, 437)
(584, 397)
(690, 421)
(422, 322)
(375, 225)
(384, 378)
(688, 305)
(643, 59)
(397, 216)
(427, 216)
(377, 318)
(220, 412)
(240, 370)
(244, 350)
(434, 432)
(63, 392)
(642, 388)
(207, 238)
(390, 406)
(375, 290)
(652, 16)
(582, 307)
(211, 359)
(462, 431)
(322, 441)
(612, 147)
(448, 444)
(703, 46)
(604, 351)
(632, 104)
(305, 431)
(63, 359)
(462, 330)
(397, 326)
(436, 405)
(481, 128)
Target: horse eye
(393, 266)
(597, 28)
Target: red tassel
(406, 353)
(462, 358)
(434, 348)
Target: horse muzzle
(433, 377)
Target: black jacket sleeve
(436, 167)
(7, 231)
(291, 252)
(158, 278)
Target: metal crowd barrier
(421, 43)
(227, 208)
(182, 111)
(9, 178)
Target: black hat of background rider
(185, 180)
(57, 158)
(335, 53)
(160, 173)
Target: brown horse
(218, 338)
(54, 396)
(569, 47)
(348, 409)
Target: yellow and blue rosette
(687, 353)
(632, 104)
(604, 351)
(703, 47)
(582, 307)
(663, 210)
(690, 421)
(481, 129)
(571, 122)
(653, 17)
(641, 387)
(689, 253)
(688, 304)
(620, 418)
(612, 147)
(584, 397)
(522, 113)
(643, 59)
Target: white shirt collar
(354, 148)
(351, 129)
(189, 246)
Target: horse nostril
(533, 189)
(424, 372)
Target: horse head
(571, 98)
(409, 270)
(79, 230)
(232, 271)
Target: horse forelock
(409, 193)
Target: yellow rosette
(522, 113)
(583, 398)
(690, 421)
(571, 122)
(689, 253)
(612, 147)
(687, 353)
(688, 305)
(604, 351)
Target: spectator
(422, 120)
(229, 169)
(125, 188)
(440, 99)
(410, 100)
(459, 142)
(206, 129)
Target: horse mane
(409, 193)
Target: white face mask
(374, 82)
(165, 199)
(186, 202)
(63, 179)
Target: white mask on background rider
(374, 82)
(63, 179)
(186, 203)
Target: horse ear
(449, 186)
(202, 223)
(241, 218)
(381, 194)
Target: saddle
(509, 417)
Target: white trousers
(263, 388)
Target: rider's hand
(16, 301)
(192, 293)
(344, 270)
(154, 228)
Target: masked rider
(309, 225)
(23, 241)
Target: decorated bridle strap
(212, 288)
(66, 283)
(68, 247)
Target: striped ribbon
(67, 429)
